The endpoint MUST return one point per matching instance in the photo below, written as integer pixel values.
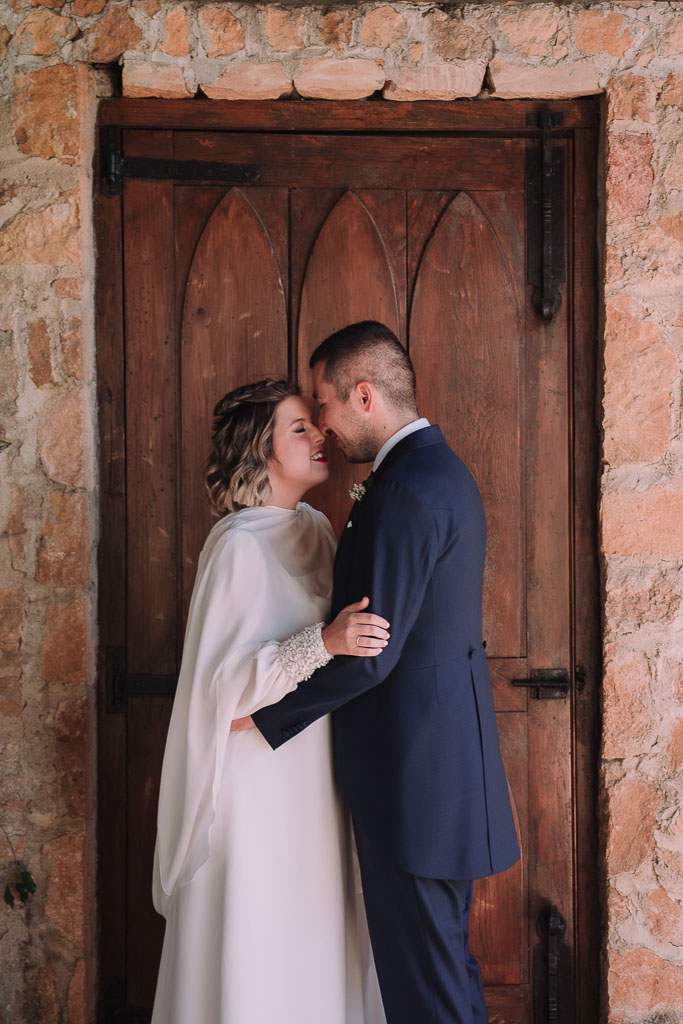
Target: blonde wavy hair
(242, 445)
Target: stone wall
(59, 56)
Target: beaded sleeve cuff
(300, 655)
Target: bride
(253, 865)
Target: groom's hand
(240, 724)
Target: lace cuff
(300, 655)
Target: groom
(416, 746)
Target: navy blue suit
(415, 739)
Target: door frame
(461, 117)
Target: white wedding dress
(254, 869)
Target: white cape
(253, 867)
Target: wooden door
(425, 229)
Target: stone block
(76, 999)
(336, 28)
(672, 41)
(631, 98)
(61, 438)
(42, 33)
(629, 175)
(640, 596)
(632, 820)
(113, 34)
(49, 111)
(673, 174)
(672, 92)
(513, 81)
(5, 37)
(529, 32)
(284, 28)
(627, 706)
(64, 642)
(145, 78)
(221, 32)
(40, 364)
(383, 26)
(640, 373)
(65, 546)
(597, 32)
(51, 235)
(84, 8)
(415, 51)
(72, 734)
(16, 531)
(72, 345)
(176, 33)
(65, 887)
(640, 983)
(47, 993)
(251, 82)
(643, 523)
(11, 613)
(436, 82)
(675, 752)
(148, 7)
(451, 38)
(328, 78)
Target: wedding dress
(254, 869)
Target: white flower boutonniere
(357, 492)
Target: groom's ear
(366, 395)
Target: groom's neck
(393, 421)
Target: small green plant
(24, 884)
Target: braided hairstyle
(242, 445)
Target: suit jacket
(415, 739)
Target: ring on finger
(357, 641)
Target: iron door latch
(552, 683)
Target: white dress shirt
(398, 436)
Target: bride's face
(299, 462)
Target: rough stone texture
(61, 439)
(176, 32)
(383, 26)
(63, 554)
(251, 82)
(631, 50)
(453, 38)
(436, 82)
(47, 110)
(221, 31)
(329, 79)
(597, 32)
(143, 78)
(64, 903)
(113, 34)
(39, 353)
(64, 646)
(42, 33)
(530, 32)
(513, 81)
(284, 29)
(629, 175)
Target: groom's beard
(363, 447)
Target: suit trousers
(419, 930)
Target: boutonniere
(358, 491)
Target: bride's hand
(356, 633)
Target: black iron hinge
(114, 167)
(553, 971)
(121, 683)
(545, 174)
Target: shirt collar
(409, 428)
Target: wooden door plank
(111, 593)
(349, 277)
(586, 594)
(234, 332)
(468, 116)
(465, 343)
(363, 161)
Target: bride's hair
(242, 445)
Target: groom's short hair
(368, 351)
